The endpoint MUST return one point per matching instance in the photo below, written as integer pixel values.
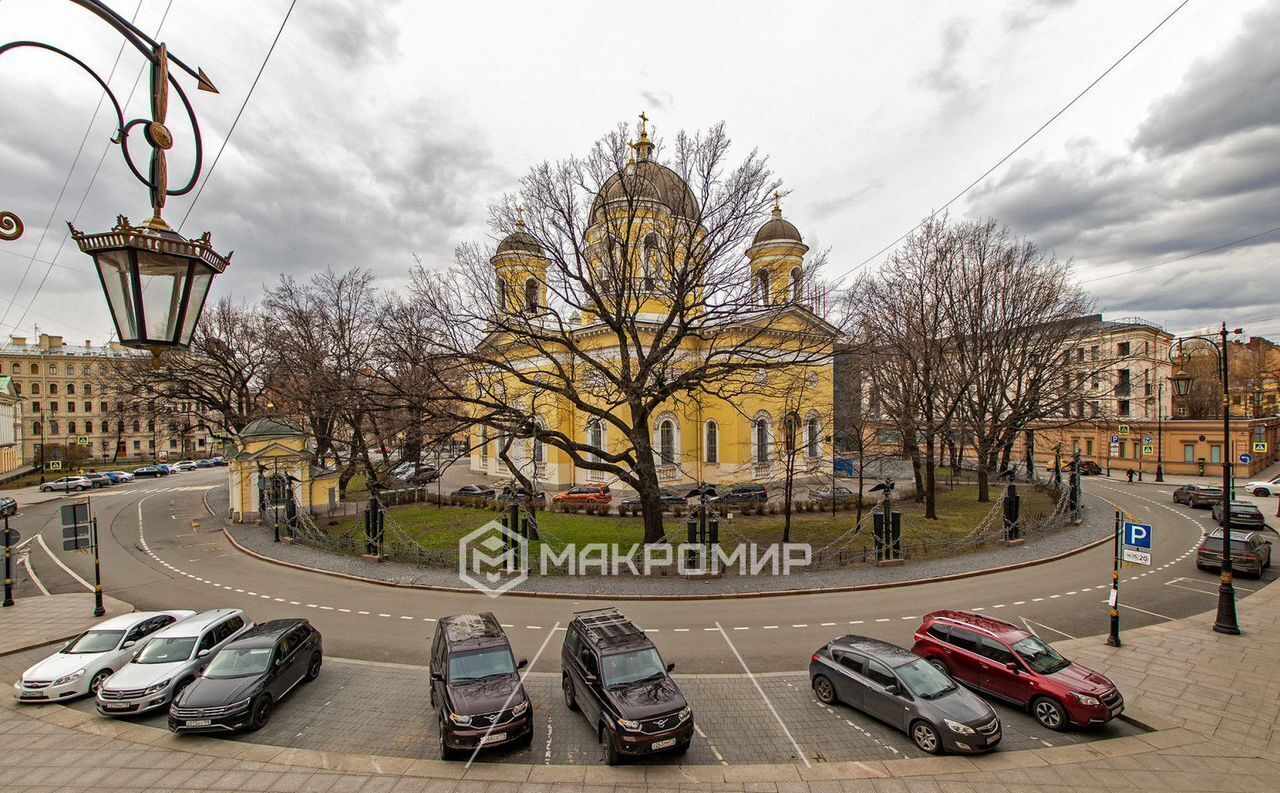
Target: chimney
(88, 344)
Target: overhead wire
(1182, 258)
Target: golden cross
(643, 120)
(776, 203)
(519, 216)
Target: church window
(762, 440)
(502, 294)
(595, 438)
(651, 260)
(667, 442)
(797, 284)
(713, 442)
(484, 445)
(531, 294)
(814, 437)
(762, 286)
(789, 432)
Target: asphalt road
(153, 557)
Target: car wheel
(926, 737)
(611, 754)
(570, 701)
(1262, 492)
(46, 489)
(261, 713)
(313, 668)
(940, 665)
(97, 681)
(824, 691)
(1049, 713)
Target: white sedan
(90, 658)
(1263, 488)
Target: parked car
(1204, 497)
(584, 494)
(97, 479)
(67, 483)
(839, 494)
(169, 662)
(173, 469)
(185, 465)
(205, 463)
(247, 678)
(8, 507)
(474, 491)
(1263, 488)
(742, 494)
(613, 674)
(476, 689)
(1244, 515)
(150, 471)
(1182, 495)
(1002, 660)
(425, 474)
(669, 498)
(1090, 468)
(119, 477)
(90, 658)
(1250, 552)
(904, 691)
(539, 500)
(219, 461)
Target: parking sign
(1137, 535)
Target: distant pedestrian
(1129, 473)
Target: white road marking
(756, 683)
(58, 562)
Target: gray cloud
(353, 33)
(945, 77)
(1026, 14)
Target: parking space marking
(765, 697)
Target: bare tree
(633, 298)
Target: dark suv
(479, 698)
(743, 494)
(1204, 498)
(614, 675)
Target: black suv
(743, 494)
(614, 675)
(479, 698)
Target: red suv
(584, 494)
(1002, 660)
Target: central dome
(646, 180)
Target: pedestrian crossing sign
(55, 465)
(1148, 450)
(83, 440)
(1124, 429)
(1259, 447)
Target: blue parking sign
(1137, 535)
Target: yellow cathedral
(755, 437)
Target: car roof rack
(608, 627)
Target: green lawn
(436, 528)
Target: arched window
(151, 426)
(53, 428)
(53, 368)
(531, 294)
(797, 284)
(789, 429)
(17, 368)
(762, 286)
(713, 442)
(763, 452)
(137, 427)
(667, 442)
(35, 368)
(595, 437)
(88, 427)
(71, 389)
(539, 448)
(88, 389)
(71, 428)
(35, 389)
(53, 388)
(502, 294)
(35, 428)
(814, 439)
(652, 260)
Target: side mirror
(591, 680)
(202, 653)
(671, 666)
(437, 677)
(893, 688)
(522, 663)
(1012, 667)
(127, 644)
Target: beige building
(10, 427)
(69, 399)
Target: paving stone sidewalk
(31, 622)
(1214, 701)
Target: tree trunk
(916, 472)
(930, 479)
(646, 472)
(984, 474)
(787, 491)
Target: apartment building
(10, 427)
(71, 398)
(1121, 369)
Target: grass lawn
(437, 528)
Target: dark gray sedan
(901, 689)
(1244, 515)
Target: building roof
(270, 427)
(777, 228)
(647, 180)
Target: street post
(9, 540)
(1113, 638)
(98, 609)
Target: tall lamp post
(1226, 619)
(155, 280)
(1160, 432)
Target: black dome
(648, 180)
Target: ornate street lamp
(155, 280)
(1226, 619)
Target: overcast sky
(382, 130)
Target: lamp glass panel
(163, 279)
(113, 267)
(200, 282)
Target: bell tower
(777, 261)
(521, 269)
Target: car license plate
(493, 738)
(116, 706)
(30, 695)
(199, 722)
(1116, 711)
(664, 744)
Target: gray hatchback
(901, 689)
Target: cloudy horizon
(382, 132)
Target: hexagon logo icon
(493, 559)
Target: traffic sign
(1137, 535)
(1148, 450)
(75, 537)
(1124, 429)
(1115, 439)
(1146, 440)
(12, 536)
(1246, 458)
(83, 440)
(1135, 556)
(1259, 447)
(55, 465)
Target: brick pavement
(1213, 700)
(34, 621)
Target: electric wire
(1184, 257)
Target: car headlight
(520, 709)
(684, 713)
(76, 675)
(158, 687)
(459, 719)
(634, 726)
(241, 705)
(1085, 699)
(955, 726)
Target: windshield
(924, 681)
(625, 668)
(166, 651)
(239, 662)
(485, 663)
(1040, 656)
(95, 642)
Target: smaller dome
(775, 228)
(520, 242)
